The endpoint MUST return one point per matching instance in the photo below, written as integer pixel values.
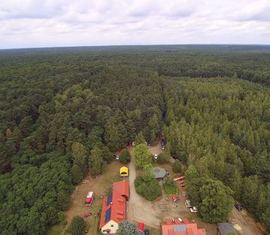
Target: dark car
(146, 232)
(238, 206)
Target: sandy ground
(245, 224)
(139, 209)
(100, 186)
(156, 149)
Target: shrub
(177, 167)
(163, 158)
(124, 156)
(62, 218)
(147, 187)
(76, 174)
(77, 226)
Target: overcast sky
(41, 23)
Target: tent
(123, 171)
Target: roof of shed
(159, 172)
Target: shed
(123, 171)
(159, 173)
(226, 228)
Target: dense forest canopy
(65, 111)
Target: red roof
(114, 205)
(175, 227)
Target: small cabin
(123, 171)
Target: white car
(193, 209)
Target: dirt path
(153, 213)
(139, 209)
(156, 149)
(244, 223)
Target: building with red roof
(179, 227)
(114, 208)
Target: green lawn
(170, 187)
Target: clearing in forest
(153, 213)
(100, 185)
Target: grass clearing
(170, 188)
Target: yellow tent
(123, 171)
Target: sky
(50, 23)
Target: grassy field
(170, 188)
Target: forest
(65, 111)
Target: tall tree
(213, 199)
(142, 155)
(96, 162)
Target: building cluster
(114, 211)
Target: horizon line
(138, 45)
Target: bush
(170, 187)
(163, 158)
(62, 218)
(126, 227)
(147, 187)
(124, 156)
(77, 226)
(177, 167)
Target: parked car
(146, 232)
(155, 156)
(188, 204)
(89, 198)
(238, 206)
(193, 209)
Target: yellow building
(123, 171)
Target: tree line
(219, 128)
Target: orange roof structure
(176, 227)
(114, 205)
